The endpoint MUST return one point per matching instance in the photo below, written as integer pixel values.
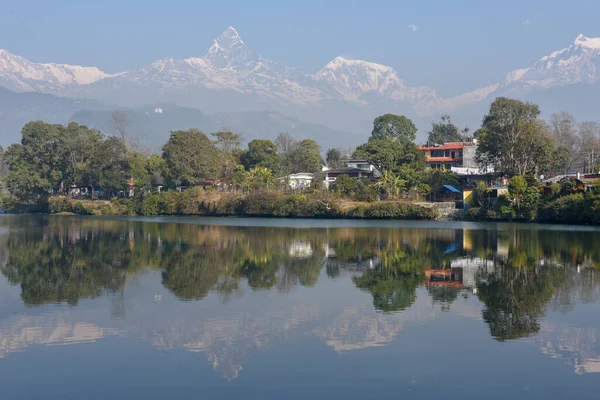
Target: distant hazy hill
(153, 124)
(16, 109)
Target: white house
(299, 181)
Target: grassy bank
(256, 204)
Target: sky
(451, 45)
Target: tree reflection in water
(516, 273)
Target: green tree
(262, 153)
(513, 140)
(391, 155)
(393, 185)
(391, 126)
(107, 169)
(227, 141)
(445, 131)
(333, 158)
(139, 173)
(524, 196)
(157, 168)
(260, 178)
(306, 157)
(80, 144)
(190, 157)
(37, 164)
(3, 165)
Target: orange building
(447, 155)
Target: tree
(285, 144)
(157, 168)
(567, 141)
(190, 157)
(37, 164)
(260, 178)
(333, 158)
(227, 141)
(3, 165)
(390, 155)
(513, 140)
(120, 123)
(262, 153)
(107, 168)
(80, 143)
(393, 185)
(390, 126)
(524, 195)
(445, 131)
(589, 133)
(306, 157)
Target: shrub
(150, 205)
(59, 204)
(570, 208)
(261, 203)
(392, 210)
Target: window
(447, 153)
(437, 153)
(460, 153)
(447, 166)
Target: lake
(156, 308)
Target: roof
(298, 175)
(472, 171)
(347, 170)
(559, 178)
(442, 159)
(452, 189)
(447, 146)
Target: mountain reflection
(518, 276)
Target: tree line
(513, 139)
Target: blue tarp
(452, 189)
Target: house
(451, 154)
(359, 169)
(580, 182)
(469, 176)
(299, 181)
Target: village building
(451, 154)
(358, 169)
(298, 181)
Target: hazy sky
(451, 45)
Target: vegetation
(56, 160)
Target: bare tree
(120, 123)
(285, 144)
(567, 140)
(589, 133)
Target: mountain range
(344, 95)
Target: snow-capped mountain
(20, 74)
(578, 63)
(345, 94)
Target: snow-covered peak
(20, 74)
(341, 62)
(353, 78)
(229, 50)
(590, 43)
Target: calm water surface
(94, 308)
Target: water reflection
(509, 278)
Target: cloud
(413, 27)
(526, 22)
